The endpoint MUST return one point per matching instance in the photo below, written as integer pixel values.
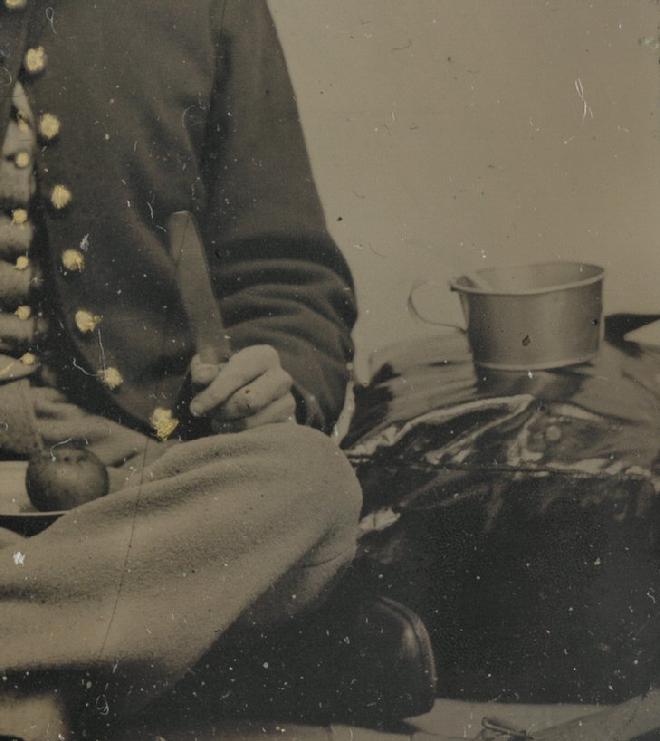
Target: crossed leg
(127, 592)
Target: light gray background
(454, 134)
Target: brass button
(163, 423)
(73, 260)
(35, 60)
(49, 126)
(24, 312)
(22, 262)
(86, 321)
(111, 377)
(60, 197)
(15, 4)
(22, 160)
(19, 216)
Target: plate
(17, 512)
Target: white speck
(586, 108)
(530, 374)
(50, 17)
(653, 42)
(265, 665)
(81, 369)
(61, 442)
(19, 558)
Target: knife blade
(194, 282)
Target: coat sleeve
(280, 278)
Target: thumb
(201, 373)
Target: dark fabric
(518, 514)
(169, 106)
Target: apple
(65, 477)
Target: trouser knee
(325, 479)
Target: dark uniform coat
(165, 106)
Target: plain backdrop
(447, 135)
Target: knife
(194, 282)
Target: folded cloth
(119, 597)
(518, 514)
(428, 410)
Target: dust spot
(19, 558)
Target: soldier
(228, 502)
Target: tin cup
(533, 317)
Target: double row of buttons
(35, 63)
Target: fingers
(251, 399)
(222, 382)
(281, 410)
(17, 332)
(15, 239)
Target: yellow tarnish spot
(23, 312)
(35, 60)
(73, 260)
(19, 216)
(22, 263)
(22, 160)
(163, 423)
(49, 126)
(111, 377)
(86, 321)
(15, 4)
(29, 359)
(60, 197)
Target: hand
(251, 389)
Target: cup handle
(418, 315)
